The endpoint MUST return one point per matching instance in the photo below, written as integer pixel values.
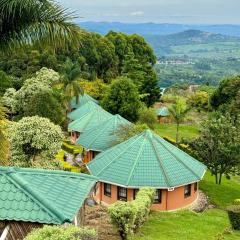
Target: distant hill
(158, 29)
(169, 44)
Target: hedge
(62, 233)
(67, 166)
(67, 146)
(234, 216)
(129, 216)
(181, 146)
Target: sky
(158, 11)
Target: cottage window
(158, 196)
(195, 186)
(122, 194)
(107, 189)
(187, 191)
(135, 191)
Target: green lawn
(169, 130)
(212, 224)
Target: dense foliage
(62, 233)
(4, 143)
(129, 216)
(35, 142)
(234, 216)
(122, 98)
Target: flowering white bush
(47, 76)
(34, 140)
(9, 99)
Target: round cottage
(147, 160)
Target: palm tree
(36, 22)
(69, 82)
(4, 144)
(178, 112)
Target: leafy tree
(62, 233)
(199, 100)
(9, 100)
(148, 116)
(35, 142)
(219, 146)
(5, 82)
(178, 112)
(46, 104)
(122, 98)
(4, 143)
(96, 88)
(125, 132)
(36, 22)
(226, 92)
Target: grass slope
(213, 224)
(169, 130)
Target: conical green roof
(82, 100)
(103, 135)
(162, 112)
(79, 112)
(146, 160)
(89, 120)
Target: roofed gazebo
(163, 115)
(102, 136)
(81, 101)
(147, 160)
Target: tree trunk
(177, 134)
(216, 178)
(220, 179)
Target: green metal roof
(89, 120)
(146, 160)
(82, 100)
(162, 112)
(102, 136)
(42, 196)
(81, 111)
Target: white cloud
(138, 13)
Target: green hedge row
(181, 146)
(62, 232)
(72, 149)
(129, 216)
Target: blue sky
(159, 11)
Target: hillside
(202, 42)
(158, 29)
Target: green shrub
(236, 202)
(123, 216)
(129, 216)
(62, 233)
(143, 203)
(72, 149)
(234, 216)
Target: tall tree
(36, 22)
(178, 111)
(123, 98)
(219, 146)
(4, 144)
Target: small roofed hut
(147, 160)
(30, 198)
(85, 98)
(91, 118)
(163, 115)
(101, 137)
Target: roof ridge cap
(178, 159)
(160, 163)
(137, 136)
(35, 196)
(136, 161)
